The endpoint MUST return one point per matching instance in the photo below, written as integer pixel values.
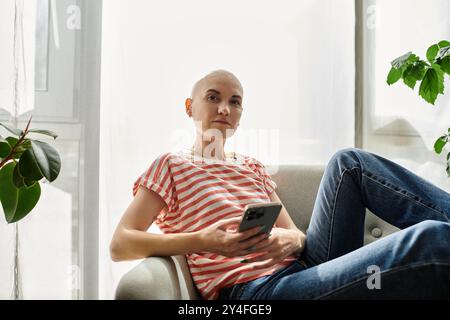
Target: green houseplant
(23, 163)
(430, 74)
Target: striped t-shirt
(200, 191)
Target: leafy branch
(23, 163)
(430, 74)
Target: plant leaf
(29, 183)
(5, 148)
(440, 76)
(408, 78)
(445, 65)
(17, 177)
(47, 159)
(429, 88)
(9, 194)
(443, 52)
(418, 70)
(26, 144)
(46, 132)
(19, 149)
(443, 43)
(16, 203)
(14, 131)
(440, 143)
(413, 73)
(12, 141)
(28, 166)
(432, 52)
(28, 198)
(393, 76)
(400, 61)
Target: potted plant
(430, 74)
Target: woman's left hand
(282, 243)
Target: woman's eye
(212, 97)
(237, 103)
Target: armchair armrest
(158, 278)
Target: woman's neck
(209, 149)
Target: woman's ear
(188, 103)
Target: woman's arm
(132, 241)
(284, 219)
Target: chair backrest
(297, 189)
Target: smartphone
(260, 214)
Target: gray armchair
(168, 278)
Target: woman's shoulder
(249, 159)
(171, 157)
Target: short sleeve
(261, 171)
(158, 178)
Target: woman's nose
(224, 109)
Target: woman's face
(216, 106)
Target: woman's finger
(244, 235)
(254, 245)
(226, 222)
(262, 245)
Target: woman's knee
(432, 237)
(346, 158)
(433, 228)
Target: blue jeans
(413, 263)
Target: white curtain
(295, 60)
(17, 43)
(399, 124)
(17, 40)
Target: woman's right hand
(223, 237)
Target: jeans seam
(333, 212)
(406, 196)
(386, 272)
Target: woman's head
(216, 104)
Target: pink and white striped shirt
(199, 192)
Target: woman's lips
(223, 122)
